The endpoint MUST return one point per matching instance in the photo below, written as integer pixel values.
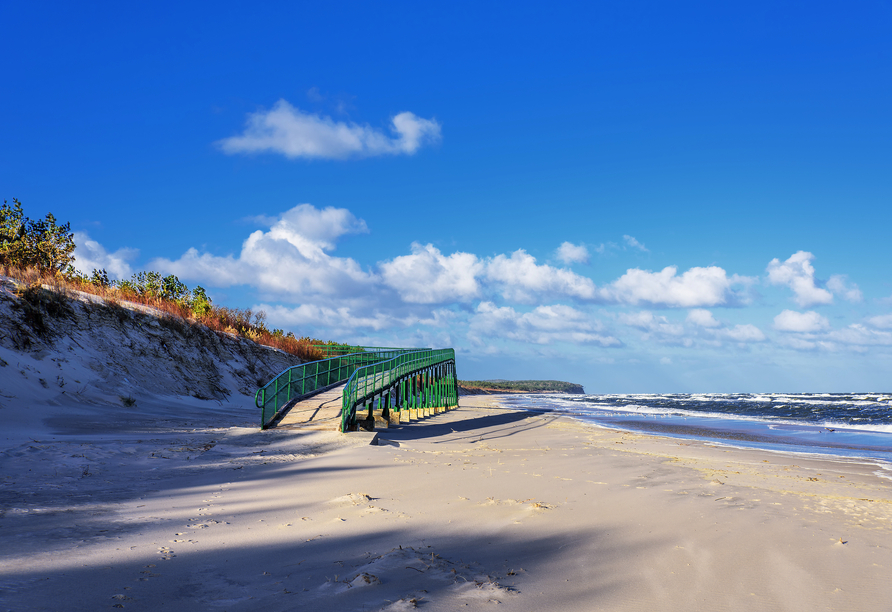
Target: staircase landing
(319, 412)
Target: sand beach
(480, 507)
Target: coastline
(474, 506)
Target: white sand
(183, 504)
(464, 510)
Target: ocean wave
(849, 411)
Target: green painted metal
(427, 375)
(308, 378)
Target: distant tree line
(523, 386)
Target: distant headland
(482, 387)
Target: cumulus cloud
(649, 322)
(89, 255)
(634, 244)
(839, 285)
(709, 286)
(740, 333)
(857, 335)
(292, 261)
(342, 319)
(542, 325)
(881, 321)
(702, 328)
(428, 277)
(290, 258)
(801, 322)
(522, 279)
(572, 253)
(813, 333)
(294, 133)
(798, 274)
(702, 318)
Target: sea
(844, 425)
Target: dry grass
(219, 319)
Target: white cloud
(341, 319)
(801, 322)
(800, 343)
(702, 328)
(859, 335)
(571, 253)
(309, 228)
(838, 284)
(855, 337)
(428, 277)
(799, 275)
(206, 268)
(702, 318)
(709, 286)
(814, 333)
(665, 361)
(881, 321)
(354, 322)
(294, 133)
(521, 279)
(634, 244)
(652, 324)
(741, 333)
(290, 258)
(90, 255)
(543, 325)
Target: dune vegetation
(39, 254)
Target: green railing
(396, 383)
(308, 378)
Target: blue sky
(635, 196)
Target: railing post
(437, 390)
(426, 390)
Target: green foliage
(41, 244)
(147, 283)
(153, 285)
(48, 248)
(200, 303)
(174, 290)
(100, 278)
